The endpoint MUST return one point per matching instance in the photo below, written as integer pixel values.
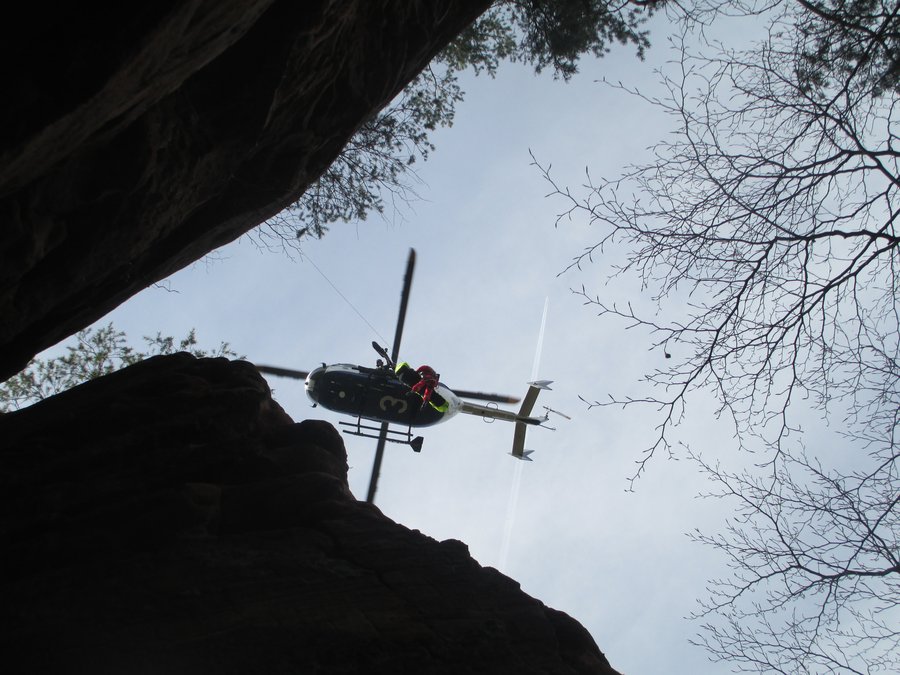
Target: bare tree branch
(771, 218)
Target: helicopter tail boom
(522, 418)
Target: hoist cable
(344, 297)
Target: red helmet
(427, 373)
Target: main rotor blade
(404, 301)
(376, 466)
(282, 372)
(479, 396)
(395, 353)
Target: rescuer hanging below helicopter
(423, 381)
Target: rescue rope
(344, 297)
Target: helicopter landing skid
(391, 435)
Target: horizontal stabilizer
(534, 388)
(524, 456)
(522, 418)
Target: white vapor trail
(513, 503)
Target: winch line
(344, 298)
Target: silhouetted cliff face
(138, 137)
(171, 518)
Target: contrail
(511, 508)
(540, 344)
(513, 504)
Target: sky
(489, 257)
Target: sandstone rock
(172, 518)
(137, 138)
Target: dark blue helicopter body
(374, 394)
(378, 395)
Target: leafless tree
(773, 209)
(815, 569)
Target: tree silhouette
(774, 210)
(375, 169)
(94, 352)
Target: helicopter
(379, 394)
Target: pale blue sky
(488, 256)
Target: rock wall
(136, 139)
(171, 518)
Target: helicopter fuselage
(375, 394)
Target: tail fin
(523, 418)
(518, 448)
